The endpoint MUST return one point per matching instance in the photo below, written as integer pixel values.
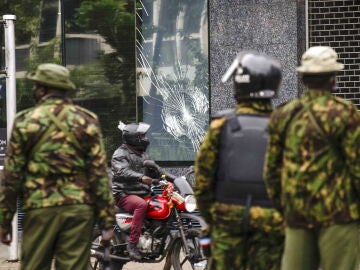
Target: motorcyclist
(246, 231)
(131, 179)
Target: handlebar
(151, 164)
(155, 182)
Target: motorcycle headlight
(190, 203)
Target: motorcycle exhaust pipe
(101, 255)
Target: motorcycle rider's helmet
(255, 76)
(134, 134)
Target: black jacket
(127, 169)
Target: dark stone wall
(273, 27)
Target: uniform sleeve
(273, 164)
(206, 168)
(99, 181)
(351, 146)
(12, 177)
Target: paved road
(4, 265)
(130, 266)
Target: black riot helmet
(134, 134)
(255, 76)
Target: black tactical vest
(241, 160)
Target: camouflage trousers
(260, 249)
(63, 232)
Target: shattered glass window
(172, 75)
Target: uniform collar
(51, 100)
(311, 94)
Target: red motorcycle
(171, 231)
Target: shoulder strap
(233, 121)
(319, 128)
(64, 128)
(56, 123)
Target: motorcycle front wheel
(95, 262)
(195, 260)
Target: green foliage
(24, 98)
(114, 20)
(47, 53)
(27, 17)
(106, 86)
(91, 82)
(114, 75)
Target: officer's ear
(332, 80)
(331, 83)
(39, 91)
(43, 90)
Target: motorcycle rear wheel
(97, 263)
(196, 261)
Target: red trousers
(137, 206)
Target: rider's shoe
(134, 253)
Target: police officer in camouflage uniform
(55, 162)
(246, 234)
(312, 170)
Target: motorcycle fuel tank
(158, 207)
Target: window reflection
(172, 75)
(100, 42)
(95, 39)
(165, 64)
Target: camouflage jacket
(206, 173)
(57, 172)
(314, 178)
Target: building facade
(160, 61)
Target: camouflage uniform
(58, 174)
(312, 172)
(300, 160)
(310, 183)
(265, 243)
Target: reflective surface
(172, 75)
(95, 40)
(130, 63)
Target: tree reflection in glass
(172, 75)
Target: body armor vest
(241, 160)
